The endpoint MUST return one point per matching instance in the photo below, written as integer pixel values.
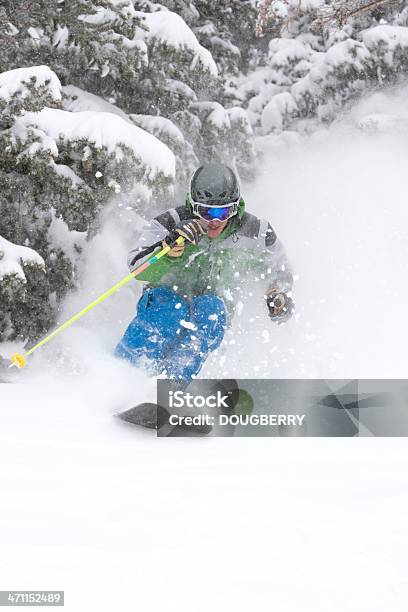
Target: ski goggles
(211, 213)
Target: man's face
(213, 228)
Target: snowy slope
(123, 521)
(234, 524)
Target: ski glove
(191, 231)
(280, 306)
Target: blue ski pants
(173, 335)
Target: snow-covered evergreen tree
(103, 101)
(137, 55)
(78, 39)
(323, 54)
(57, 171)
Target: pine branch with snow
(337, 13)
(278, 15)
(24, 289)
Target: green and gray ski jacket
(248, 248)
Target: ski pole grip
(174, 239)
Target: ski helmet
(214, 192)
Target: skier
(191, 293)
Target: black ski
(146, 414)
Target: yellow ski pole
(20, 360)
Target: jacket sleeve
(156, 231)
(278, 272)
(151, 232)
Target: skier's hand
(280, 305)
(176, 251)
(191, 231)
